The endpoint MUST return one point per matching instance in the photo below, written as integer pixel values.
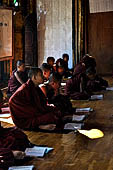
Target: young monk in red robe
(75, 87)
(95, 82)
(46, 69)
(52, 93)
(17, 78)
(29, 107)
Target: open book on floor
(97, 97)
(73, 126)
(109, 88)
(7, 120)
(88, 109)
(21, 167)
(37, 151)
(6, 115)
(78, 118)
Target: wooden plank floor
(75, 151)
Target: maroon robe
(29, 108)
(7, 158)
(89, 61)
(13, 83)
(97, 84)
(11, 139)
(72, 88)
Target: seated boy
(95, 82)
(51, 91)
(50, 62)
(17, 78)
(46, 70)
(76, 86)
(29, 107)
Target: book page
(78, 117)
(6, 115)
(35, 151)
(21, 167)
(73, 126)
(109, 88)
(84, 110)
(8, 120)
(97, 97)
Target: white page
(63, 84)
(6, 115)
(5, 109)
(98, 97)
(78, 117)
(47, 149)
(88, 109)
(8, 120)
(73, 126)
(35, 151)
(109, 88)
(21, 167)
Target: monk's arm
(18, 78)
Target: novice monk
(17, 78)
(51, 91)
(75, 87)
(95, 82)
(50, 62)
(13, 143)
(89, 61)
(29, 107)
(60, 69)
(46, 70)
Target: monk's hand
(19, 154)
(48, 127)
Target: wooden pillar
(78, 30)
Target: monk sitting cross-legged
(29, 107)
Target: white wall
(54, 29)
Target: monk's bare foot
(19, 154)
(48, 127)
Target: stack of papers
(5, 110)
(97, 97)
(73, 126)
(84, 110)
(109, 88)
(78, 118)
(37, 151)
(21, 167)
(6, 115)
(8, 120)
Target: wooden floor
(75, 151)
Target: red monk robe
(29, 108)
(75, 87)
(11, 139)
(6, 158)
